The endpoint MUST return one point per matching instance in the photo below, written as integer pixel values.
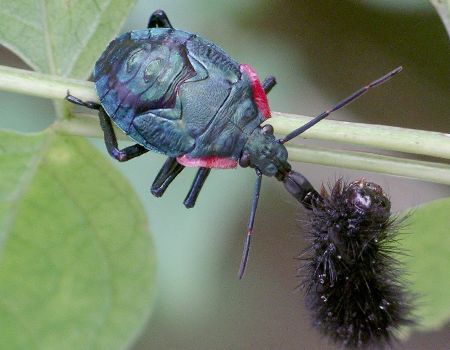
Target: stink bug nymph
(176, 93)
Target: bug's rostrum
(300, 188)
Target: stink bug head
(263, 152)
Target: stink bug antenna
(339, 105)
(251, 221)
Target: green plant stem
(44, 85)
(86, 125)
(416, 169)
(378, 136)
(428, 143)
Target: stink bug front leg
(77, 101)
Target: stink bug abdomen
(176, 93)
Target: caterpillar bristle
(350, 274)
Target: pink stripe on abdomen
(208, 162)
(259, 96)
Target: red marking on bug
(259, 96)
(208, 162)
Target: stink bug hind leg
(121, 155)
(79, 102)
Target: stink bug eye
(244, 161)
(267, 129)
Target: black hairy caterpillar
(350, 274)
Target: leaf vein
(20, 19)
(97, 237)
(22, 188)
(47, 37)
(25, 330)
(88, 37)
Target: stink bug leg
(77, 101)
(269, 83)
(121, 155)
(197, 185)
(166, 175)
(159, 19)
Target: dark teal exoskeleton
(178, 94)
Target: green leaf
(61, 37)
(443, 9)
(427, 244)
(76, 260)
(76, 266)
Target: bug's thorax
(263, 152)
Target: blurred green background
(320, 51)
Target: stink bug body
(178, 94)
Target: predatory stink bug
(176, 93)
